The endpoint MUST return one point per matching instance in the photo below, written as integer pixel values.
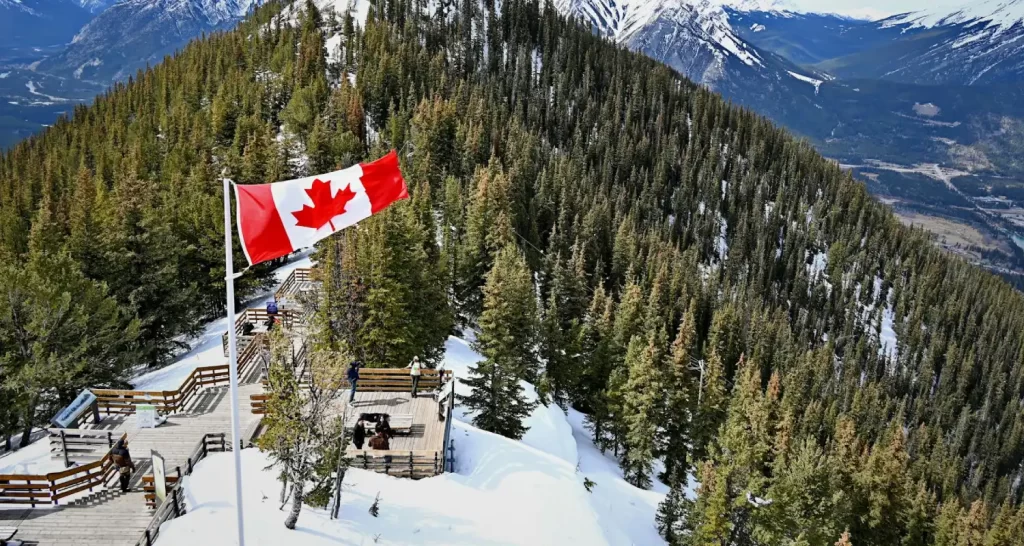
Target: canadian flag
(277, 219)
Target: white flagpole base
(236, 440)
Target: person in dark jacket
(123, 461)
(359, 434)
(384, 426)
(380, 441)
(353, 377)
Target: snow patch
(807, 79)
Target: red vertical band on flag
(259, 225)
(383, 182)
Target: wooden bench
(400, 423)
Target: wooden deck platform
(427, 430)
(109, 517)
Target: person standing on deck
(123, 461)
(415, 370)
(359, 434)
(353, 377)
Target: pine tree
(680, 400)
(642, 406)
(506, 340)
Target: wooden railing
(174, 505)
(43, 489)
(73, 445)
(258, 318)
(377, 380)
(24, 489)
(126, 402)
(401, 464)
(399, 380)
(295, 284)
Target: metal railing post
(64, 447)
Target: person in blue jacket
(353, 377)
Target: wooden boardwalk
(427, 430)
(109, 517)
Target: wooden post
(189, 466)
(410, 465)
(110, 440)
(64, 446)
(95, 411)
(435, 464)
(366, 461)
(174, 502)
(451, 456)
(149, 541)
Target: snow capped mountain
(998, 14)
(692, 36)
(976, 44)
(94, 6)
(131, 33)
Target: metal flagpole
(229, 277)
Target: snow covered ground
(503, 491)
(31, 459)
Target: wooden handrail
(125, 401)
(57, 485)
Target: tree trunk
(337, 493)
(26, 435)
(297, 495)
(284, 490)
(30, 412)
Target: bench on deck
(400, 423)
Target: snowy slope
(502, 492)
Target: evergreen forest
(729, 307)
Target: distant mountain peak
(1002, 14)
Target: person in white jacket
(415, 370)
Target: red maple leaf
(325, 206)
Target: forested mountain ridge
(819, 367)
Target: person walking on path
(123, 461)
(359, 434)
(353, 377)
(415, 370)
